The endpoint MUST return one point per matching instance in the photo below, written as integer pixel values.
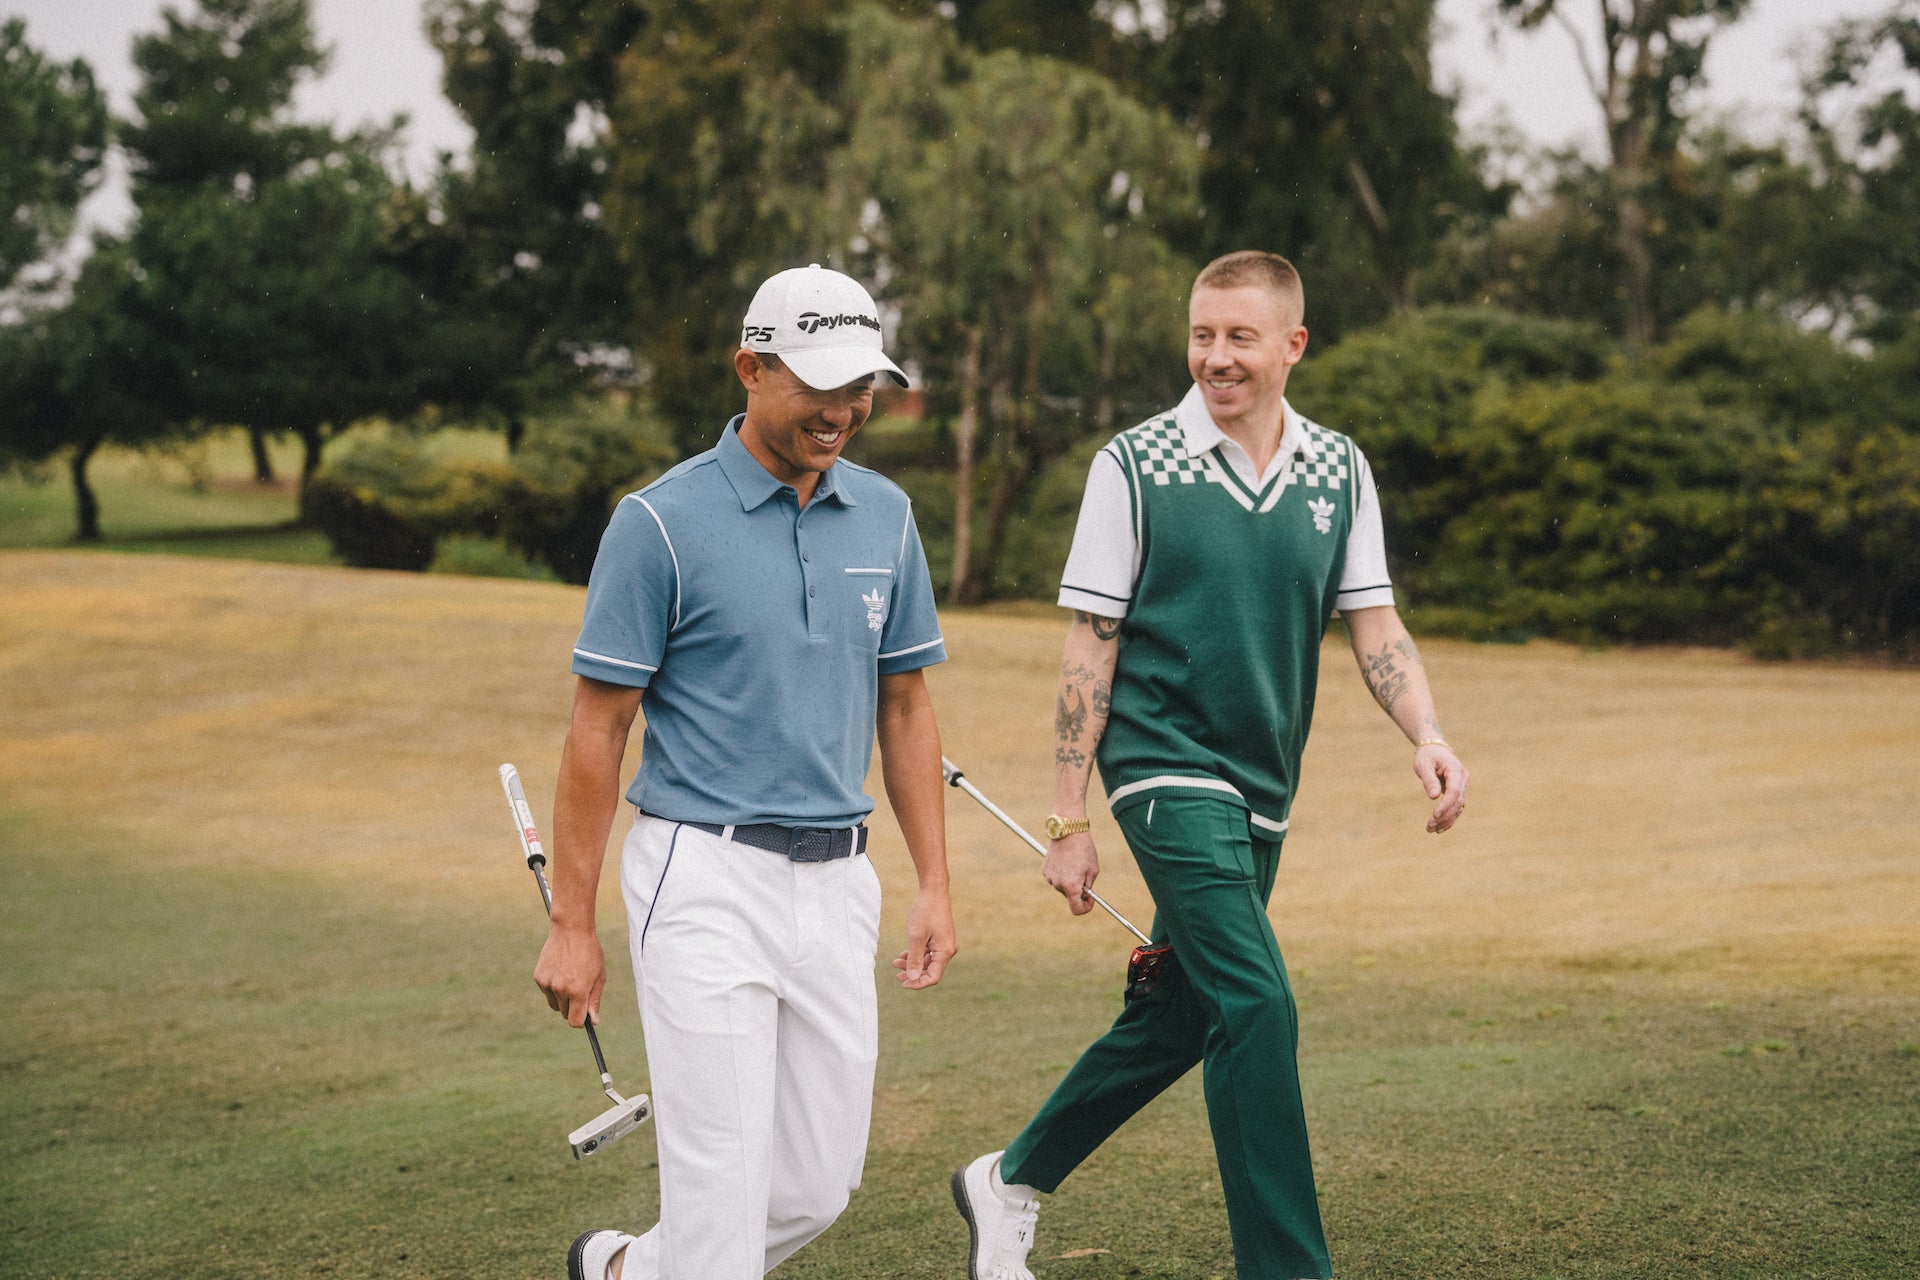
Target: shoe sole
(577, 1255)
(960, 1202)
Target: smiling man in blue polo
(767, 606)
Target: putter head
(609, 1126)
(1144, 968)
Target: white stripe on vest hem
(901, 653)
(1198, 784)
(618, 662)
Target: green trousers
(1225, 1002)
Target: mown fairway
(1652, 1010)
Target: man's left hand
(1445, 779)
(930, 942)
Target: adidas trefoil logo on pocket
(877, 606)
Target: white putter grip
(529, 833)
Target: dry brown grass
(1679, 808)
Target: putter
(1148, 960)
(626, 1114)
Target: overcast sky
(382, 64)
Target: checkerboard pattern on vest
(1161, 449)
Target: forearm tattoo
(1386, 671)
(1084, 702)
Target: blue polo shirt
(760, 632)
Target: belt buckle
(817, 849)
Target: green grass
(195, 499)
(226, 1074)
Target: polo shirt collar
(754, 484)
(1200, 434)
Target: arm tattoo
(1103, 628)
(1081, 709)
(1070, 714)
(1385, 678)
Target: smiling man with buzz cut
(767, 605)
(1215, 541)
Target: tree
(523, 242)
(76, 378)
(215, 98)
(1650, 53)
(1020, 206)
(1862, 114)
(289, 310)
(215, 113)
(1323, 137)
(284, 265)
(53, 136)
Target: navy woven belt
(796, 844)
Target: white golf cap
(822, 324)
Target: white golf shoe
(999, 1227)
(592, 1251)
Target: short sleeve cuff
(600, 666)
(914, 657)
(1093, 602)
(1364, 598)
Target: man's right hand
(1072, 865)
(571, 971)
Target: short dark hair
(1256, 268)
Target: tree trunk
(312, 441)
(86, 506)
(262, 461)
(516, 432)
(1636, 259)
(966, 436)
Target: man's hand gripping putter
(1149, 959)
(626, 1114)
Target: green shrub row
(1742, 483)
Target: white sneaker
(591, 1253)
(1000, 1228)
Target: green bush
(570, 471)
(476, 557)
(384, 503)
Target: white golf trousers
(756, 989)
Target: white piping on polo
(618, 662)
(1198, 784)
(670, 552)
(882, 573)
(901, 653)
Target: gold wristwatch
(1058, 828)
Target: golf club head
(609, 1126)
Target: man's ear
(747, 366)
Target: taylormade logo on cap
(821, 324)
(810, 322)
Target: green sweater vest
(1220, 649)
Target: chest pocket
(865, 600)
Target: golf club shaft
(536, 862)
(955, 778)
